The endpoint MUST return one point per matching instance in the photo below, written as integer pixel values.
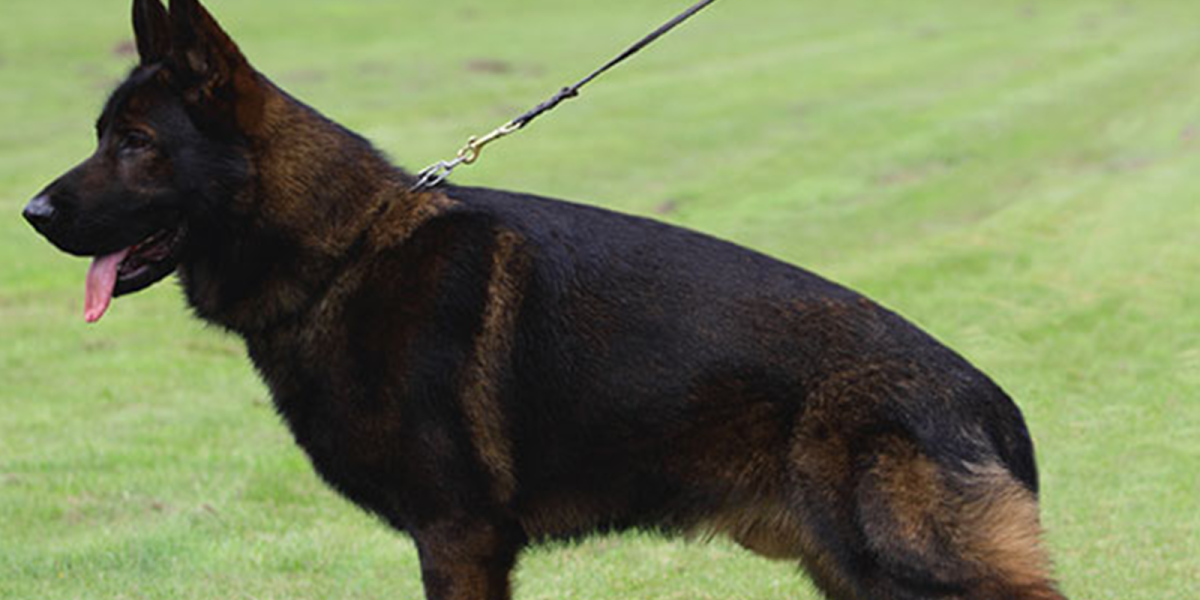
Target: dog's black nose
(39, 212)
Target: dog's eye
(134, 141)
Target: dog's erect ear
(152, 29)
(201, 49)
(209, 69)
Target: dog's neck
(317, 180)
(323, 197)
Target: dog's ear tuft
(152, 30)
(210, 71)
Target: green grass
(1019, 178)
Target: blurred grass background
(1020, 178)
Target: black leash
(438, 172)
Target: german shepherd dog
(487, 370)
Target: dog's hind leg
(970, 532)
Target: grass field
(1020, 178)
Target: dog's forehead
(134, 98)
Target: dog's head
(172, 153)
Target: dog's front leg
(466, 559)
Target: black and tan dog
(486, 370)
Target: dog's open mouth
(131, 269)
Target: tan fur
(485, 418)
(294, 161)
(767, 528)
(1000, 529)
(910, 487)
(985, 519)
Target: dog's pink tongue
(101, 279)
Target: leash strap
(436, 173)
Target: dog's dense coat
(486, 370)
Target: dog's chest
(353, 434)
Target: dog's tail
(974, 528)
(999, 531)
